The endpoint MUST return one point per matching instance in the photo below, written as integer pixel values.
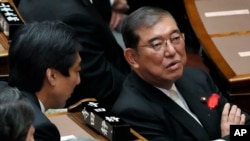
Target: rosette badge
(213, 100)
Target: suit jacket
(3, 84)
(155, 116)
(104, 8)
(104, 67)
(44, 129)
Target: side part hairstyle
(16, 115)
(38, 46)
(143, 17)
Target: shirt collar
(165, 91)
(42, 106)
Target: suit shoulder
(45, 129)
(196, 75)
(192, 70)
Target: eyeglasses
(158, 43)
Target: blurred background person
(113, 12)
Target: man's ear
(131, 57)
(51, 76)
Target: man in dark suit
(104, 67)
(44, 63)
(162, 99)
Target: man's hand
(118, 9)
(116, 19)
(120, 6)
(229, 117)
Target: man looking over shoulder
(104, 67)
(161, 98)
(44, 63)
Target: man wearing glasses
(163, 99)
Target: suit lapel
(192, 94)
(182, 116)
(172, 108)
(32, 97)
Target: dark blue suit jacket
(45, 130)
(3, 84)
(155, 116)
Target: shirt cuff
(112, 2)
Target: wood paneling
(223, 38)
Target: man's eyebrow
(175, 31)
(154, 38)
(159, 37)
